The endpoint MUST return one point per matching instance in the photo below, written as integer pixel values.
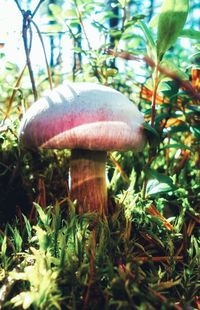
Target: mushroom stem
(88, 182)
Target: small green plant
(105, 263)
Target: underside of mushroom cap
(83, 115)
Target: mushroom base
(88, 182)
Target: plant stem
(155, 88)
(26, 26)
(88, 182)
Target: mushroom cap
(84, 116)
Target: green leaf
(28, 227)
(116, 34)
(122, 3)
(191, 34)
(148, 35)
(18, 240)
(24, 299)
(151, 173)
(180, 128)
(152, 135)
(195, 130)
(4, 246)
(154, 22)
(194, 108)
(71, 13)
(156, 187)
(43, 238)
(177, 145)
(166, 285)
(170, 65)
(151, 130)
(171, 20)
(42, 215)
(158, 183)
(55, 9)
(74, 23)
(133, 20)
(53, 29)
(164, 86)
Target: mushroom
(90, 119)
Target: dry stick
(37, 7)
(157, 259)
(153, 211)
(26, 26)
(45, 55)
(13, 94)
(19, 7)
(119, 168)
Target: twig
(94, 66)
(157, 259)
(186, 85)
(82, 25)
(19, 7)
(119, 168)
(153, 211)
(37, 7)
(45, 55)
(25, 27)
(13, 94)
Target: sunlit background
(12, 43)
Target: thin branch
(37, 7)
(186, 85)
(26, 26)
(44, 51)
(19, 7)
(82, 25)
(157, 259)
(94, 66)
(14, 93)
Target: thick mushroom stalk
(88, 180)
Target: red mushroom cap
(83, 115)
